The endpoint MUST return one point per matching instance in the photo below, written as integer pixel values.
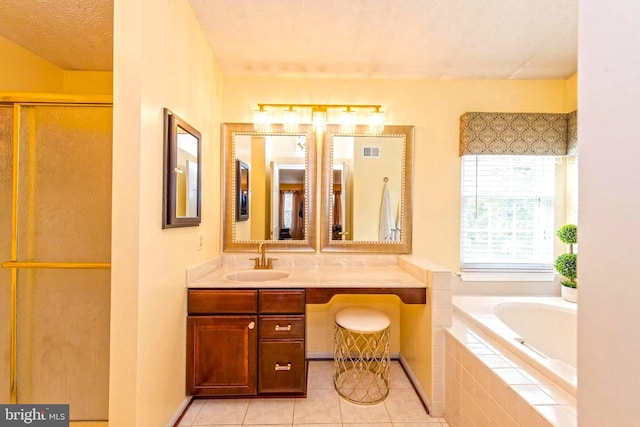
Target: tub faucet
(263, 263)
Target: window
(287, 209)
(507, 213)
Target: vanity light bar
(262, 117)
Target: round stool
(361, 355)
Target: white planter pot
(569, 294)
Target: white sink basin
(257, 275)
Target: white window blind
(507, 213)
(287, 209)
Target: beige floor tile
(222, 411)
(226, 425)
(268, 425)
(398, 379)
(432, 423)
(405, 406)
(320, 375)
(269, 411)
(352, 413)
(320, 406)
(367, 425)
(192, 413)
(318, 425)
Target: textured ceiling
(449, 39)
(72, 34)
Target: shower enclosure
(55, 250)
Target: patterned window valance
(572, 133)
(518, 133)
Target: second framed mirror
(367, 190)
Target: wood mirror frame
(327, 243)
(308, 244)
(180, 208)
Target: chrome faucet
(263, 263)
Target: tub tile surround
(439, 283)
(488, 385)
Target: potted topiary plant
(567, 264)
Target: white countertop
(354, 275)
(318, 277)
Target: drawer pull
(252, 325)
(283, 328)
(286, 367)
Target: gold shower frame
(18, 100)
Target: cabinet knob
(286, 367)
(252, 325)
(283, 328)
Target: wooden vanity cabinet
(221, 342)
(282, 364)
(244, 342)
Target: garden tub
(541, 331)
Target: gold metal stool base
(361, 365)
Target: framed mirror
(242, 191)
(367, 190)
(182, 173)
(280, 169)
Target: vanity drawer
(282, 367)
(208, 301)
(281, 300)
(282, 327)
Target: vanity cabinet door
(221, 355)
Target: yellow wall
(572, 93)
(24, 71)
(161, 59)
(258, 190)
(433, 107)
(94, 82)
(320, 325)
(416, 342)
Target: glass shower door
(6, 173)
(61, 245)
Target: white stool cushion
(362, 320)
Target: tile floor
(322, 408)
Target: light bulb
(290, 120)
(319, 121)
(261, 121)
(376, 122)
(348, 121)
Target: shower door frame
(18, 100)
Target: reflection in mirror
(242, 191)
(281, 171)
(186, 174)
(366, 191)
(181, 206)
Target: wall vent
(371, 152)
